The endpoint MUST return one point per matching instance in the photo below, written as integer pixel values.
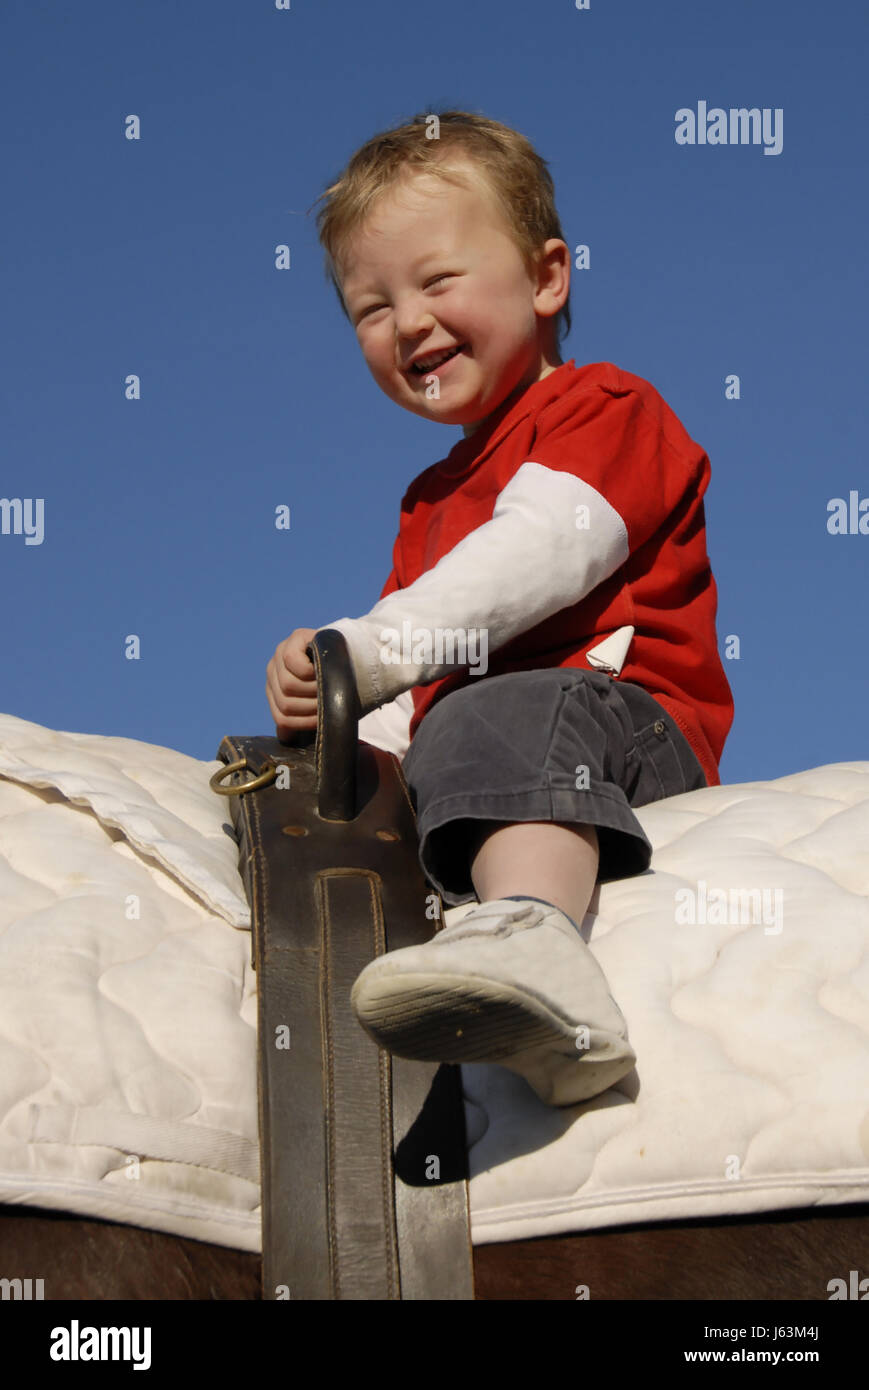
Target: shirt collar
(472, 449)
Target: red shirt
(620, 542)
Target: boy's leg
(519, 783)
(493, 775)
(548, 860)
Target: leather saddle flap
(364, 1158)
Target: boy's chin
(442, 414)
(444, 409)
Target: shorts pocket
(661, 772)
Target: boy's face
(433, 267)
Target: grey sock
(523, 897)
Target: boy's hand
(291, 684)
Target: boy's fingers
(282, 704)
(283, 682)
(273, 689)
(291, 659)
(292, 654)
(291, 686)
(287, 722)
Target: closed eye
(373, 308)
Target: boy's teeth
(426, 364)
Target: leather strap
(363, 1155)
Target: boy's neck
(518, 391)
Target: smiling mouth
(423, 371)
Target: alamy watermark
(77, 1343)
(849, 518)
(730, 907)
(15, 521)
(437, 646)
(740, 125)
(27, 1290)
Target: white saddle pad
(127, 1008)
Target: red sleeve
(629, 447)
(393, 581)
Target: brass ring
(263, 780)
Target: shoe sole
(439, 1018)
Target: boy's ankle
(529, 897)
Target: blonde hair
(513, 171)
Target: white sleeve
(532, 559)
(388, 727)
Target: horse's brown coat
(780, 1255)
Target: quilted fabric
(127, 1001)
(127, 1007)
(751, 1089)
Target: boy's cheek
(386, 372)
(379, 357)
(383, 371)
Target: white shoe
(512, 983)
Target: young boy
(563, 539)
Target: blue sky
(156, 257)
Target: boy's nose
(412, 320)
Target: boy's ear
(553, 275)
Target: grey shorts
(561, 744)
